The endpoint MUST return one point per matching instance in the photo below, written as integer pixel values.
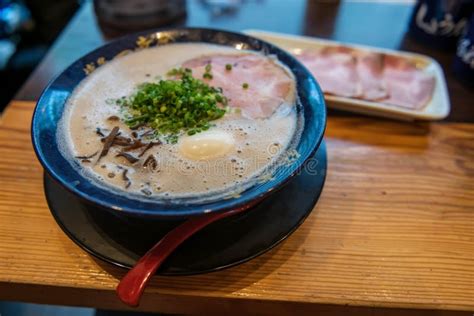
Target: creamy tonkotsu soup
(125, 135)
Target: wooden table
(394, 228)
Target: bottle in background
(440, 23)
(463, 66)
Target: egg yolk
(206, 145)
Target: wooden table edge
(209, 305)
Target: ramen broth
(236, 148)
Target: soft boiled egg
(206, 145)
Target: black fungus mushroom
(108, 142)
(130, 158)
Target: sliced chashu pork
(407, 86)
(268, 84)
(335, 70)
(369, 76)
(370, 72)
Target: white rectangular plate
(437, 109)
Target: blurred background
(27, 29)
(30, 30)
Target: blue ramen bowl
(311, 109)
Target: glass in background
(119, 17)
(464, 61)
(439, 23)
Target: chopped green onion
(207, 75)
(184, 104)
(245, 85)
(228, 67)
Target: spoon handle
(132, 285)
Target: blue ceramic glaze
(50, 108)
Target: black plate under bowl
(122, 241)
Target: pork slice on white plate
(407, 86)
(334, 69)
(370, 70)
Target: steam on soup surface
(180, 120)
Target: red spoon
(132, 285)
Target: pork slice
(334, 69)
(346, 72)
(269, 85)
(370, 73)
(407, 86)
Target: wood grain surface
(394, 228)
